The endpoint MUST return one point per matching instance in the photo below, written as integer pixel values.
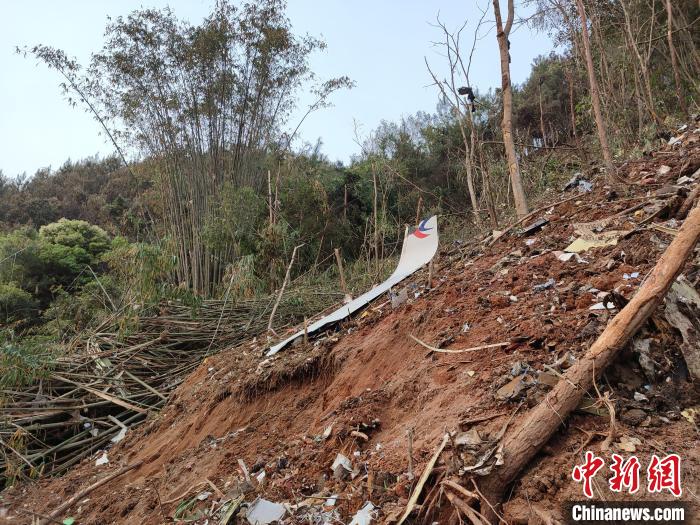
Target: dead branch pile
(110, 380)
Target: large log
(535, 427)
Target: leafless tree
(595, 94)
(449, 89)
(502, 33)
(674, 59)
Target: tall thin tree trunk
(595, 95)
(470, 186)
(490, 203)
(507, 121)
(643, 65)
(270, 204)
(674, 60)
(640, 110)
(376, 222)
(572, 109)
(345, 203)
(544, 133)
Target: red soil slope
(292, 414)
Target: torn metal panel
(262, 512)
(683, 313)
(419, 248)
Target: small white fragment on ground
(203, 495)
(327, 432)
(120, 435)
(471, 373)
(263, 512)
(341, 466)
(601, 306)
(364, 515)
(663, 170)
(102, 460)
(628, 276)
(330, 502)
(122, 432)
(261, 476)
(640, 397)
(544, 286)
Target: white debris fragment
(263, 512)
(364, 516)
(122, 432)
(341, 467)
(602, 306)
(640, 397)
(102, 460)
(120, 435)
(327, 432)
(203, 495)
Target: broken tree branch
(81, 494)
(284, 285)
(423, 478)
(535, 428)
(456, 351)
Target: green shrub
(140, 271)
(23, 361)
(16, 304)
(66, 247)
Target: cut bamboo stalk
(284, 285)
(423, 478)
(338, 259)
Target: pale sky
(380, 44)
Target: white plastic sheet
(419, 247)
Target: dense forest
(207, 198)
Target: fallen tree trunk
(535, 427)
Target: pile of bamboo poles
(110, 381)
